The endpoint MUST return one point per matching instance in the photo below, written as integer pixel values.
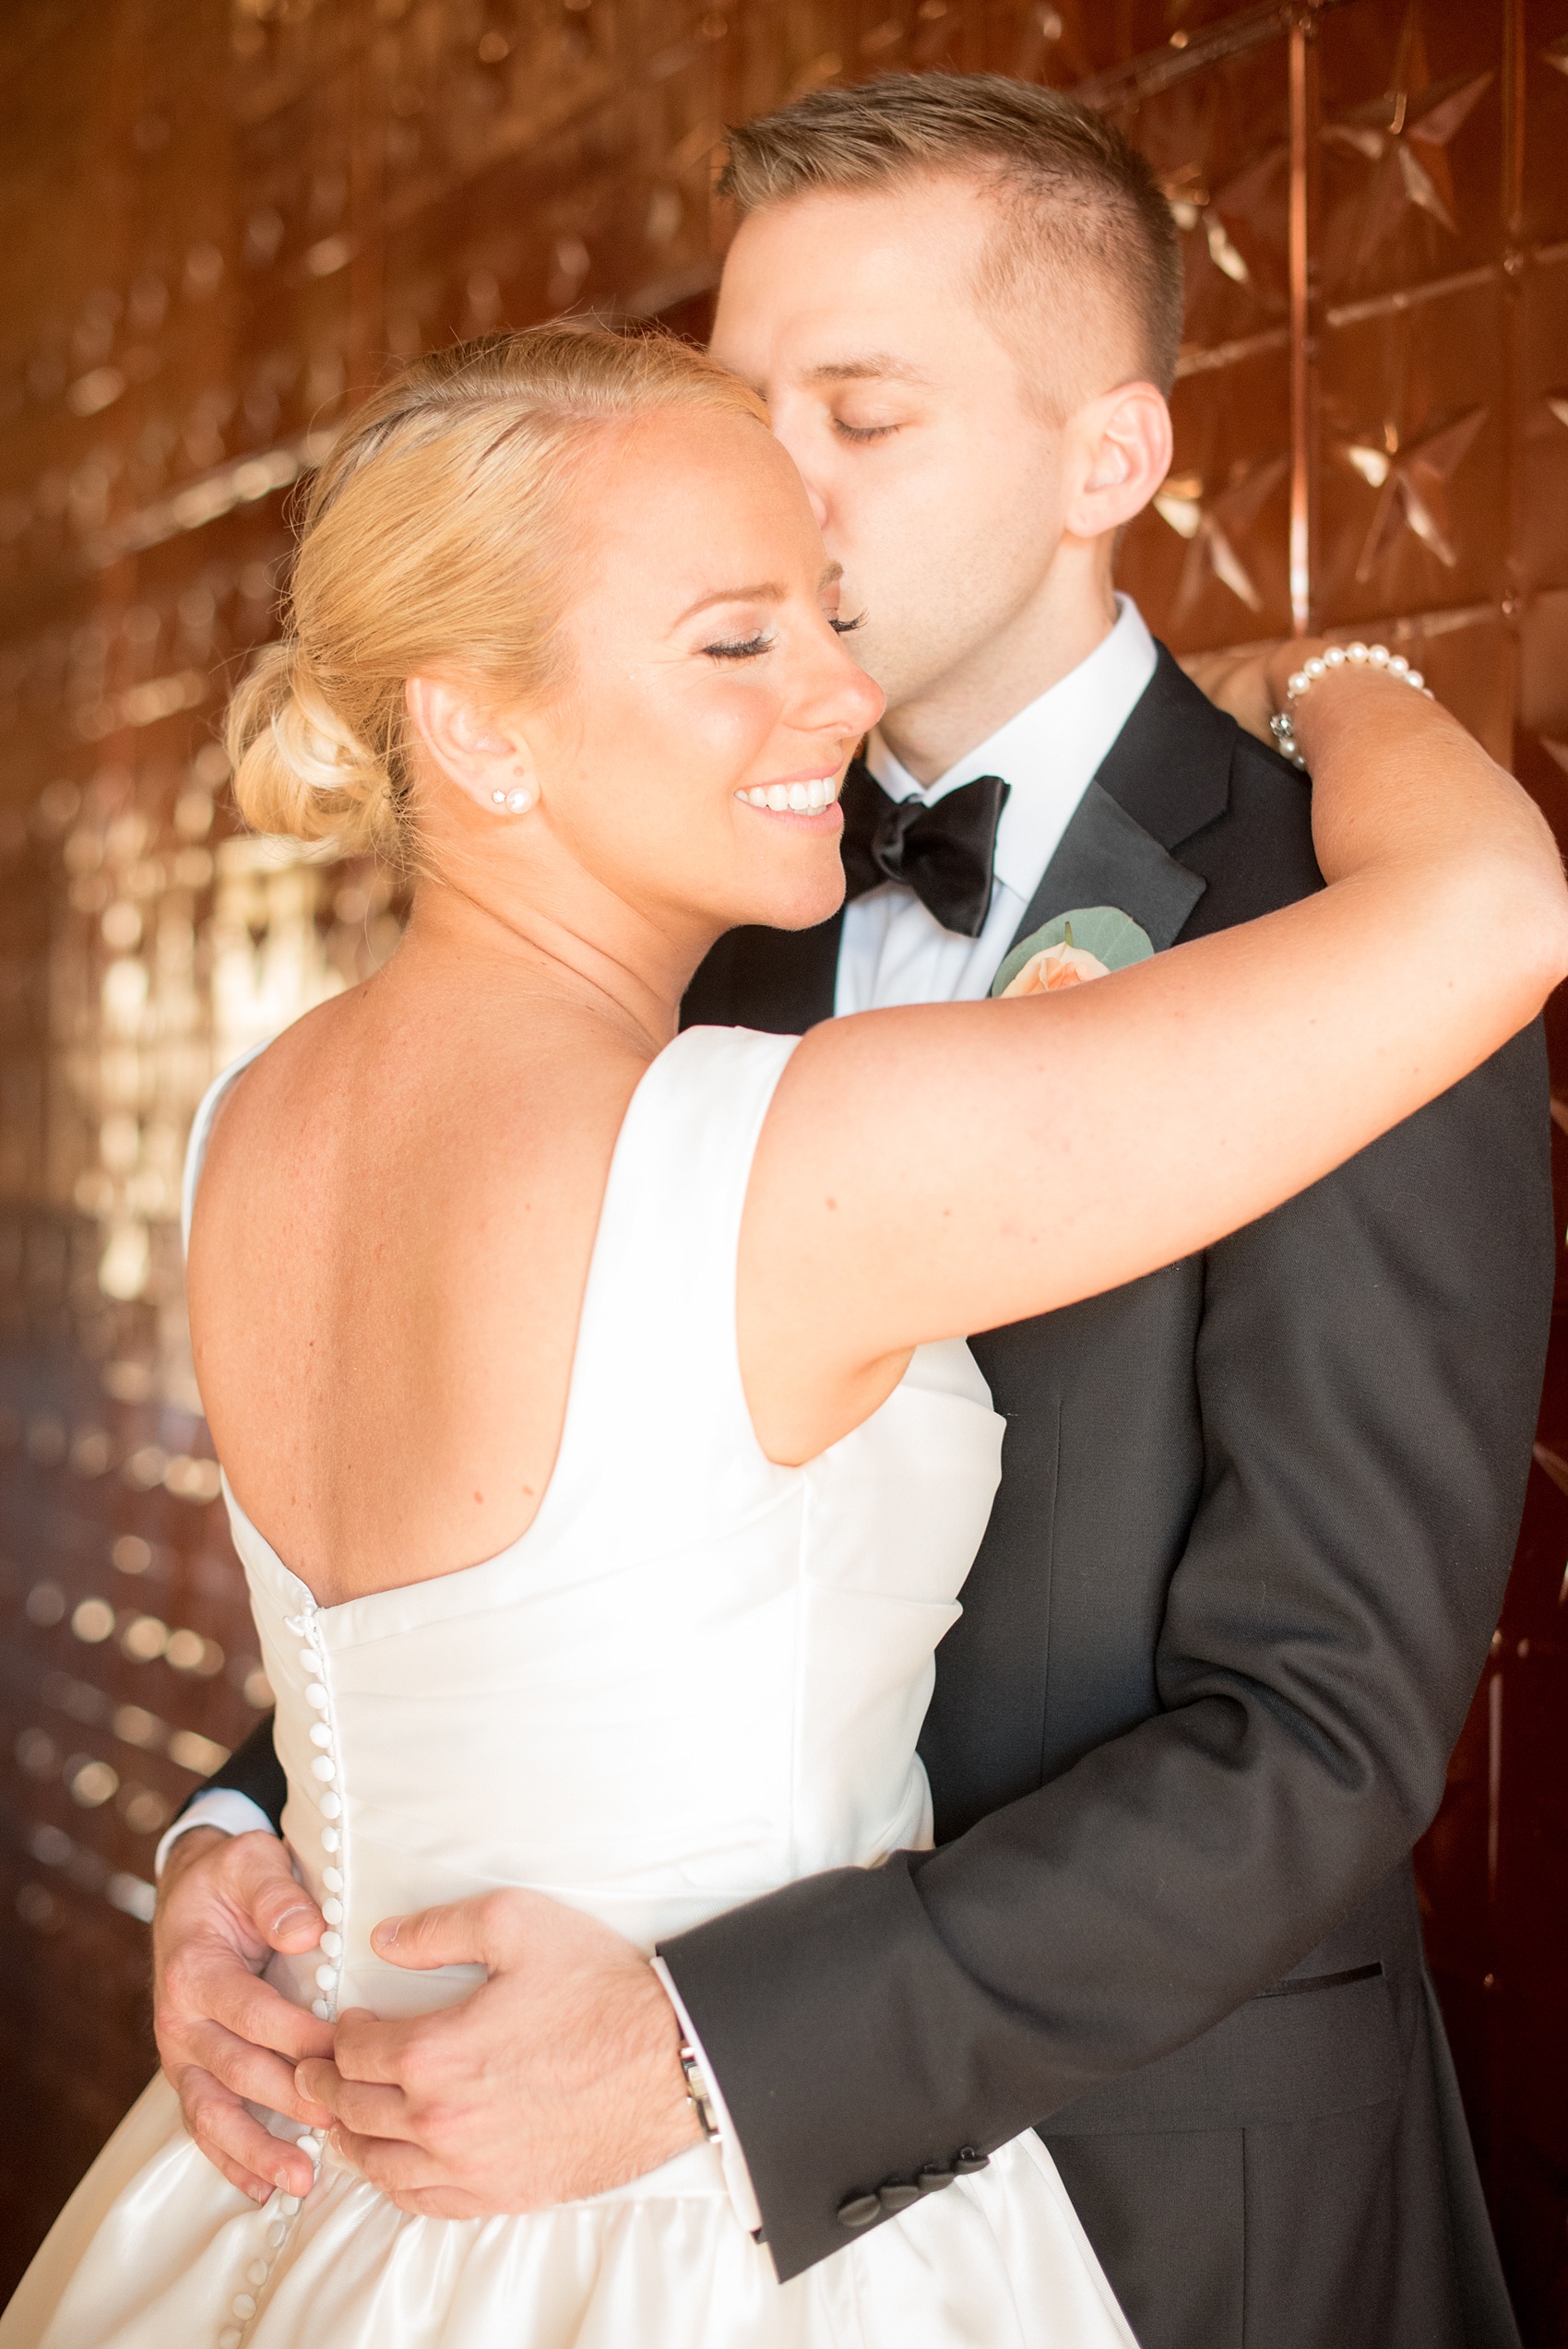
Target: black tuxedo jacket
(1256, 1516)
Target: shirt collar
(1050, 753)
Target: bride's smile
(811, 797)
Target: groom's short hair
(1075, 198)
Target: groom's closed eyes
(871, 399)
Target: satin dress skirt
(155, 2250)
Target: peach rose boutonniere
(1054, 967)
(1089, 942)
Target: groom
(1257, 1510)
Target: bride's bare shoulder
(369, 1087)
(268, 1105)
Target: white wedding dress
(696, 1677)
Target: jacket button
(931, 2179)
(966, 2161)
(859, 2210)
(898, 2195)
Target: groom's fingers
(459, 1933)
(439, 2202)
(392, 2165)
(368, 2111)
(224, 2037)
(257, 1876)
(408, 2178)
(409, 2053)
(248, 2156)
(220, 1986)
(497, 1931)
(240, 1888)
(214, 2018)
(249, 2072)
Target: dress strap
(656, 1357)
(201, 1134)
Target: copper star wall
(223, 215)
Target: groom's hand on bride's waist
(559, 2077)
(225, 1903)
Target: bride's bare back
(394, 1230)
(395, 1218)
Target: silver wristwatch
(698, 2090)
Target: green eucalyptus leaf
(1112, 937)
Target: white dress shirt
(893, 950)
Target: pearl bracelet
(1357, 655)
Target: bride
(601, 1440)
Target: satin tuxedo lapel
(1105, 857)
(1165, 777)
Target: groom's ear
(1120, 450)
(484, 751)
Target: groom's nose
(818, 500)
(804, 431)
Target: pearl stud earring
(516, 802)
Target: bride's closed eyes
(748, 648)
(740, 648)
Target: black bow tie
(944, 853)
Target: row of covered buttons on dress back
(279, 2216)
(329, 1801)
(895, 2194)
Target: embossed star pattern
(1195, 208)
(1406, 134)
(1215, 528)
(1411, 477)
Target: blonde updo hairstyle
(438, 534)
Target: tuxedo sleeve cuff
(223, 1807)
(737, 2177)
